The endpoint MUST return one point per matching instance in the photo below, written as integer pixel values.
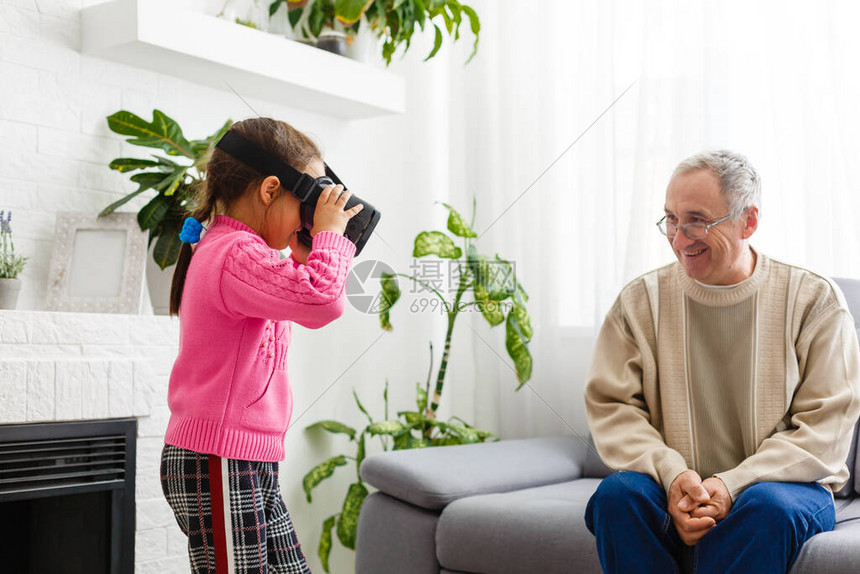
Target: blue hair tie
(190, 231)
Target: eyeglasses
(693, 231)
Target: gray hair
(739, 182)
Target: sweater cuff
(670, 471)
(332, 240)
(736, 480)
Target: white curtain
(776, 81)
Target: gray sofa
(518, 507)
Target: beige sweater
(756, 382)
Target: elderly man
(724, 388)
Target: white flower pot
(9, 290)
(158, 282)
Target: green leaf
(477, 264)
(515, 343)
(407, 441)
(167, 248)
(350, 11)
(401, 442)
(412, 417)
(385, 398)
(125, 164)
(147, 180)
(467, 435)
(497, 278)
(420, 12)
(490, 309)
(153, 212)
(484, 435)
(442, 426)
(334, 427)
(447, 441)
(456, 224)
(317, 17)
(390, 294)
(361, 406)
(502, 281)
(359, 457)
(321, 472)
(325, 541)
(295, 14)
(457, 17)
(475, 25)
(521, 315)
(435, 243)
(347, 524)
(390, 427)
(162, 132)
(421, 398)
(170, 184)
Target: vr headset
(304, 187)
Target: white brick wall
(75, 366)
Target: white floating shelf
(160, 36)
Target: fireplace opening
(67, 497)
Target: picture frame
(97, 264)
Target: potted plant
(392, 21)
(172, 177)
(500, 298)
(11, 264)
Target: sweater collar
(229, 222)
(725, 296)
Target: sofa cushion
(834, 552)
(424, 477)
(538, 529)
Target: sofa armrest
(433, 477)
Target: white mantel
(87, 366)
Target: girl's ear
(269, 190)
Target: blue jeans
(764, 531)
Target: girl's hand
(299, 250)
(329, 214)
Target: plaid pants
(232, 512)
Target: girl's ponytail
(184, 259)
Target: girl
(229, 398)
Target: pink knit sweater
(229, 394)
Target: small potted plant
(11, 264)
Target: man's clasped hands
(697, 505)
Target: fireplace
(67, 497)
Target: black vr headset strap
(300, 184)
